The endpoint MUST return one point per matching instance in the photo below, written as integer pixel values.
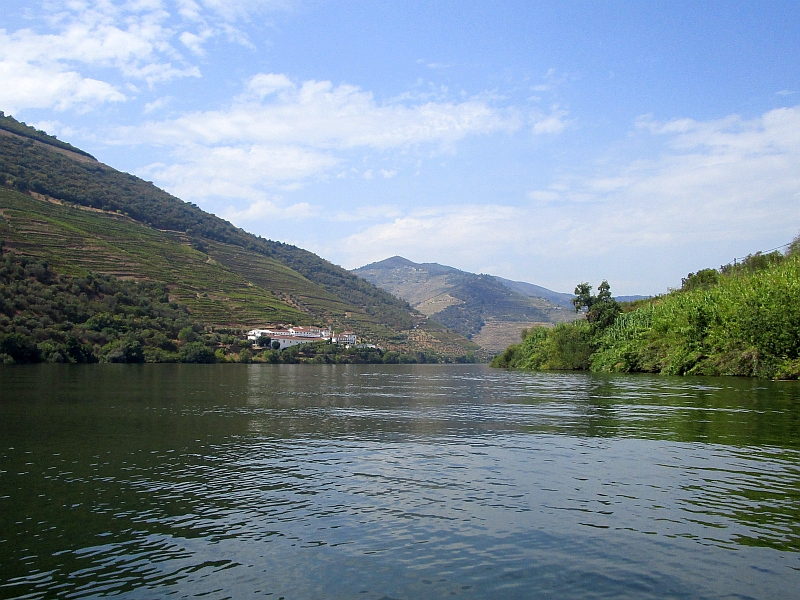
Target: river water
(397, 481)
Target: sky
(549, 142)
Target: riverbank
(740, 320)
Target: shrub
(196, 352)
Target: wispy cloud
(81, 53)
(266, 210)
(236, 172)
(716, 180)
(273, 109)
(452, 231)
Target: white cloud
(85, 51)
(26, 85)
(555, 122)
(452, 231)
(268, 210)
(264, 84)
(717, 182)
(41, 70)
(279, 133)
(157, 104)
(319, 114)
(194, 42)
(236, 172)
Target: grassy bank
(741, 320)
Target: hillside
(46, 317)
(537, 291)
(480, 307)
(742, 320)
(60, 204)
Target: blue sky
(550, 142)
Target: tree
(197, 352)
(187, 335)
(583, 297)
(276, 345)
(703, 279)
(602, 309)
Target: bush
(19, 348)
(196, 352)
(123, 351)
(187, 335)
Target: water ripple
(400, 482)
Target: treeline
(21, 128)
(326, 353)
(46, 317)
(26, 166)
(742, 319)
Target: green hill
(742, 319)
(481, 307)
(61, 205)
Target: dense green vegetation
(326, 353)
(46, 317)
(77, 242)
(743, 319)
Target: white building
(345, 337)
(286, 341)
(292, 336)
(254, 334)
(310, 332)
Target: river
(396, 481)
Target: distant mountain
(60, 204)
(537, 291)
(482, 307)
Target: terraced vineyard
(296, 290)
(75, 241)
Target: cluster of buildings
(288, 336)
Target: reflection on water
(416, 481)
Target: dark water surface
(300, 481)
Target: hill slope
(478, 306)
(60, 204)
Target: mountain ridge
(479, 306)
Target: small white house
(345, 337)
